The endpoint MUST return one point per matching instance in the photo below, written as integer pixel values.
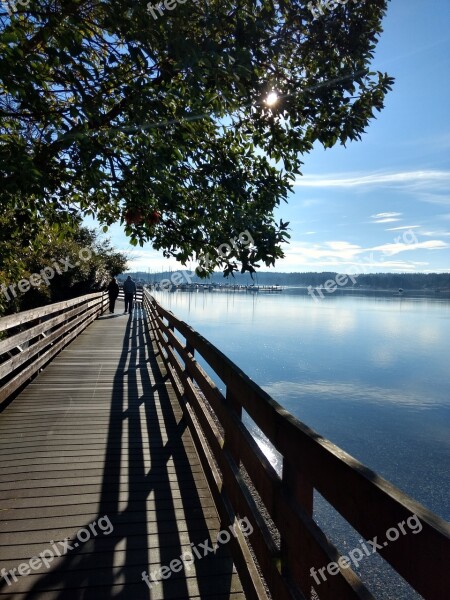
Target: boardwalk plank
(100, 434)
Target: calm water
(371, 374)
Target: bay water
(370, 373)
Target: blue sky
(381, 204)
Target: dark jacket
(129, 287)
(113, 289)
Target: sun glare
(272, 99)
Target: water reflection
(326, 391)
(369, 373)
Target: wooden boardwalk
(95, 449)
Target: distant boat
(400, 292)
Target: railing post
(171, 327)
(103, 302)
(230, 439)
(39, 321)
(300, 489)
(152, 314)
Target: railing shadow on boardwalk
(96, 570)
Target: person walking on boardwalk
(113, 292)
(129, 290)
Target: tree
(162, 123)
(69, 264)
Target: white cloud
(421, 179)
(339, 255)
(393, 249)
(345, 246)
(329, 250)
(387, 220)
(435, 233)
(403, 227)
(151, 260)
(385, 215)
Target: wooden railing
(245, 484)
(138, 296)
(33, 337)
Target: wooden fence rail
(242, 479)
(139, 294)
(30, 339)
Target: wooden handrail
(139, 294)
(368, 502)
(42, 333)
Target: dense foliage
(162, 124)
(69, 263)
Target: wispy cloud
(421, 179)
(386, 220)
(438, 197)
(392, 249)
(342, 250)
(341, 255)
(152, 261)
(403, 227)
(386, 217)
(435, 233)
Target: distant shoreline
(385, 291)
(416, 283)
(370, 289)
